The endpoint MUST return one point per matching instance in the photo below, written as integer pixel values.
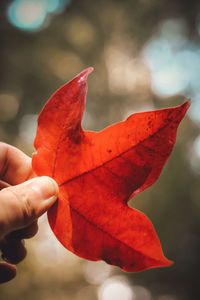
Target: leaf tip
(163, 262)
(185, 106)
(167, 263)
(83, 75)
(188, 102)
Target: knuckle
(28, 210)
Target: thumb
(20, 205)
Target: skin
(23, 199)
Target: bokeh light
(194, 111)
(52, 5)
(9, 106)
(31, 15)
(96, 272)
(46, 240)
(115, 288)
(62, 63)
(197, 146)
(194, 155)
(27, 128)
(141, 293)
(174, 60)
(169, 81)
(125, 72)
(27, 15)
(80, 32)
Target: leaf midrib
(112, 236)
(119, 155)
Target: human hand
(23, 198)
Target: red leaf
(99, 172)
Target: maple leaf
(98, 173)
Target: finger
(15, 166)
(25, 233)
(23, 204)
(3, 184)
(7, 272)
(13, 251)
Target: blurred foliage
(108, 35)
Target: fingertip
(45, 187)
(13, 250)
(7, 272)
(55, 188)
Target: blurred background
(146, 55)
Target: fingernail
(45, 187)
